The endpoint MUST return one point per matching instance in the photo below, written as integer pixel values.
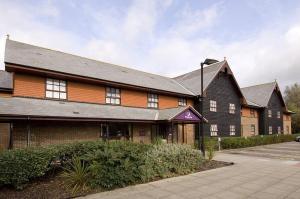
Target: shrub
(241, 142)
(118, 164)
(76, 177)
(18, 166)
(211, 146)
(168, 160)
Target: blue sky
(259, 38)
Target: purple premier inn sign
(187, 115)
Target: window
(278, 114)
(232, 130)
(269, 113)
(113, 96)
(252, 129)
(279, 129)
(213, 106)
(252, 112)
(270, 129)
(231, 108)
(152, 100)
(213, 130)
(182, 101)
(56, 89)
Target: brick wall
(29, 86)
(167, 101)
(142, 133)
(47, 133)
(247, 120)
(4, 135)
(287, 124)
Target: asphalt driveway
(252, 176)
(283, 151)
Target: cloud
(135, 36)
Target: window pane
(62, 83)
(63, 96)
(62, 88)
(107, 100)
(49, 87)
(117, 101)
(56, 88)
(49, 94)
(56, 95)
(49, 81)
(56, 82)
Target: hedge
(112, 164)
(242, 142)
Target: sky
(259, 38)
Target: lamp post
(201, 143)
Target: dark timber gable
(224, 91)
(275, 104)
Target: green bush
(18, 166)
(210, 148)
(118, 164)
(76, 176)
(108, 164)
(241, 142)
(171, 159)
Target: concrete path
(250, 177)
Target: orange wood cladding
(29, 86)
(81, 92)
(165, 101)
(134, 98)
(34, 86)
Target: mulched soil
(52, 186)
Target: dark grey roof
(259, 94)
(192, 80)
(17, 106)
(42, 58)
(6, 80)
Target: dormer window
(182, 101)
(56, 89)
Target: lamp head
(210, 61)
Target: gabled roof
(15, 107)
(192, 80)
(261, 94)
(41, 58)
(6, 81)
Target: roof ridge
(199, 69)
(121, 66)
(259, 84)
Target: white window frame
(231, 130)
(113, 96)
(231, 108)
(252, 128)
(269, 113)
(182, 101)
(152, 100)
(213, 130)
(270, 130)
(279, 130)
(56, 89)
(278, 115)
(213, 106)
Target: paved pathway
(250, 177)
